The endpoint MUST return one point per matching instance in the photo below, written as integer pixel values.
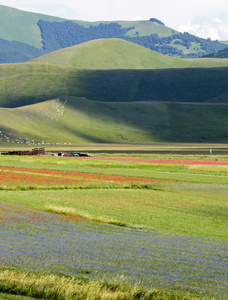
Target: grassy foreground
(66, 288)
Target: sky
(203, 18)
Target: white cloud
(215, 28)
(137, 18)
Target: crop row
(17, 176)
(167, 161)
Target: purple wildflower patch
(40, 241)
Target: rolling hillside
(28, 83)
(120, 54)
(26, 35)
(106, 90)
(71, 120)
(51, 103)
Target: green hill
(26, 35)
(28, 83)
(120, 54)
(112, 106)
(73, 120)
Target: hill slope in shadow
(72, 120)
(28, 83)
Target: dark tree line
(221, 54)
(15, 52)
(57, 35)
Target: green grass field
(194, 193)
(185, 203)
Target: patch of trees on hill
(156, 21)
(57, 35)
(221, 54)
(16, 52)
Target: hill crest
(121, 54)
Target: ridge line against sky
(204, 18)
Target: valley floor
(152, 220)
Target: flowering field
(34, 240)
(168, 161)
(17, 176)
(169, 221)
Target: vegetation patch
(67, 288)
(168, 219)
(73, 211)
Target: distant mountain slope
(57, 35)
(16, 52)
(47, 33)
(120, 54)
(78, 120)
(28, 83)
(21, 26)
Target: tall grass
(72, 211)
(57, 287)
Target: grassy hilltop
(120, 54)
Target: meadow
(114, 227)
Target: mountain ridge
(48, 33)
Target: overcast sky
(204, 18)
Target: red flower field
(166, 161)
(16, 176)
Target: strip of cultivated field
(38, 241)
(167, 220)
